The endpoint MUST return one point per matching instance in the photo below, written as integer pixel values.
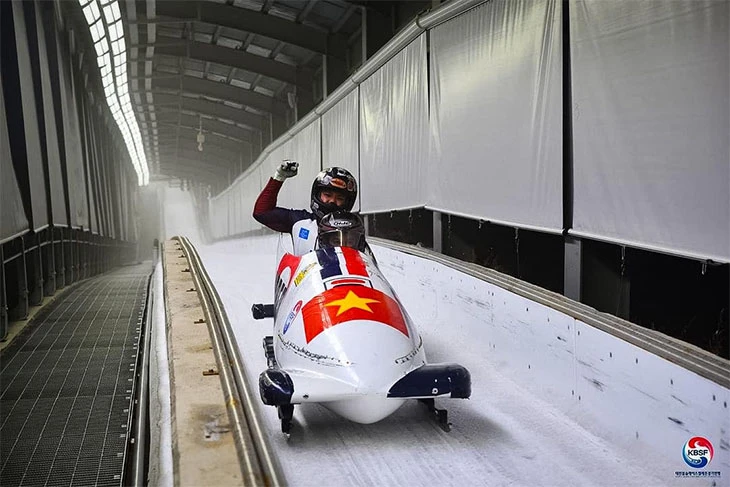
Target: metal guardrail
(258, 464)
(685, 355)
(140, 448)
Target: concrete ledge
(204, 451)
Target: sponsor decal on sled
(292, 314)
(303, 273)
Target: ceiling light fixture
(107, 32)
(201, 136)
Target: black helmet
(336, 179)
(341, 229)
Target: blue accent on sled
(275, 387)
(329, 262)
(434, 380)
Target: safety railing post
(3, 299)
(82, 253)
(76, 239)
(33, 268)
(95, 264)
(60, 257)
(68, 259)
(49, 262)
(20, 309)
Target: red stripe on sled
(290, 261)
(354, 262)
(354, 281)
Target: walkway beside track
(66, 384)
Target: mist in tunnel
(178, 215)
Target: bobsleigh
(341, 338)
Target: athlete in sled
(342, 338)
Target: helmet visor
(342, 238)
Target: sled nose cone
(276, 387)
(434, 380)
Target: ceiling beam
(236, 58)
(305, 11)
(222, 128)
(165, 132)
(165, 128)
(220, 90)
(250, 21)
(191, 172)
(189, 137)
(206, 158)
(193, 159)
(345, 17)
(214, 109)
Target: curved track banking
(503, 435)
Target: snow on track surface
(503, 435)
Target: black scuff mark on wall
(596, 383)
(678, 399)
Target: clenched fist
(287, 169)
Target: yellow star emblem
(352, 300)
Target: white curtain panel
(230, 228)
(236, 196)
(232, 222)
(272, 161)
(220, 216)
(340, 136)
(394, 132)
(251, 186)
(12, 214)
(246, 212)
(496, 114)
(650, 124)
(306, 150)
(214, 219)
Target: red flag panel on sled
(347, 303)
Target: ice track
(503, 435)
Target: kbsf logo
(697, 452)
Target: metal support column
(437, 232)
(304, 98)
(34, 269)
(334, 68)
(59, 257)
(20, 310)
(377, 29)
(68, 273)
(573, 268)
(3, 299)
(49, 263)
(83, 255)
(76, 234)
